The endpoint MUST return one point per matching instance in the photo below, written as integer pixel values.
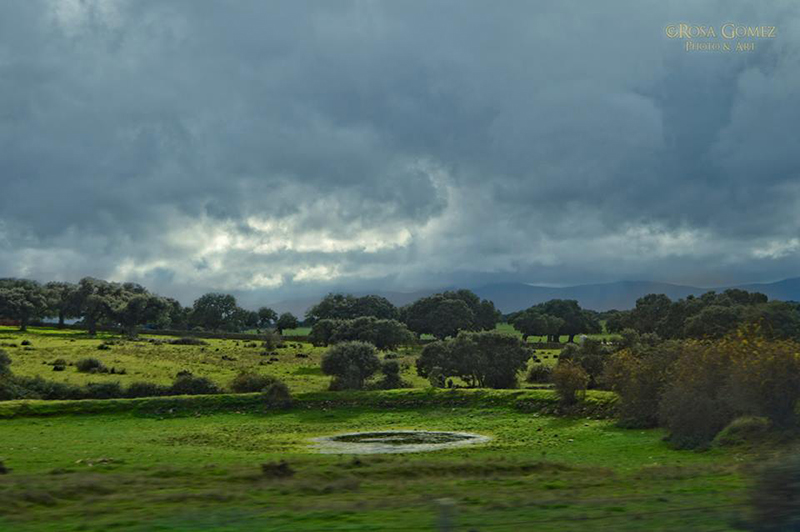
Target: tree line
(712, 315)
(128, 306)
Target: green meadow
(195, 462)
(184, 470)
(154, 359)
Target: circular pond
(395, 441)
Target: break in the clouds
(280, 148)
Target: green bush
(5, 363)
(539, 374)
(277, 394)
(187, 384)
(90, 365)
(271, 340)
(570, 381)
(350, 364)
(743, 430)
(591, 355)
(639, 378)
(103, 390)
(692, 415)
(146, 389)
(11, 390)
(391, 376)
(39, 388)
(188, 340)
(248, 382)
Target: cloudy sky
(279, 149)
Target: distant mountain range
(509, 297)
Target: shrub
(775, 496)
(103, 390)
(539, 374)
(742, 430)
(278, 394)
(5, 363)
(25, 342)
(188, 340)
(350, 364)
(391, 376)
(764, 377)
(570, 381)
(639, 380)
(248, 381)
(692, 416)
(188, 384)
(90, 365)
(58, 362)
(146, 389)
(271, 340)
(591, 356)
(10, 389)
(39, 388)
(104, 346)
(277, 469)
(59, 367)
(743, 374)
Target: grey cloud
(200, 145)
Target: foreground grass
(148, 471)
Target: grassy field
(143, 471)
(502, 327)
(194, 463)
(297, 364)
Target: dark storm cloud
(269, 147)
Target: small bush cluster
(188, 340)
(539, 374)
(280, 469)
(391, 376)
(90, 365)
(697, 388)
(185, 383)
(277, 394)
(248, 382)
(570, 381)
(350, 364)
(5, 363)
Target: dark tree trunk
(23, 324)
(92, 325)
(571, 339)
(60, 320)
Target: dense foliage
(383, 334)
(554, 318)
(444, 315)
(348, 307)
(350, 364)
(483, 359)
(711, 315)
